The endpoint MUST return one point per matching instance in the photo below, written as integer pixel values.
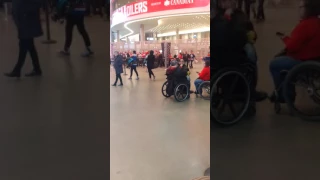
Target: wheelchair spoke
(222, 108)
(233, 85)
(233, 110)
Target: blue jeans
(197, 83)
(279, 64)
(251, 52)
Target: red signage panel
(143, 7)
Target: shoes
(120, 84)
(130, 78)
(114, 85)
(137, 78)
(154, 77)
(87, 54)
(65, 53)
(33, 74)
(12, 74)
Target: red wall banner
(149, 6)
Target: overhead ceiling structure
(199, 22)
(161, 16)
(181, 23)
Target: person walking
(133, 63)
(247, 6)
(150, 64)
(26, 16)
(118, 67)
(260, 14)
(75, 12)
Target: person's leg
(279, 64)
(135, 70)
(260, 14)
(240, 2)
(69, 28)
(152, 73)
(35, 59)
(84, 34)
(120, 78)
(23, 49)
(149, 71)
(251, 52)
(197, 83)
(131, 70)
(117, 77)
(191, 64)
(247, 5)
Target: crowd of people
(178, 66)
(235, 36)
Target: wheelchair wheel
(301, 91)
(181, 92)
(164, 89)
(204, 90)
(230, 96)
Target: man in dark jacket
(26, 15)
(117, 64)
(74, 10)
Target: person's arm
(201, 74)
(299, 36)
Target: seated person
(204, 75)
(302, 45)
(172, 68)
(230, 34)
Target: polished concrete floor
(269, 146)
(55, 127)
(153, 137)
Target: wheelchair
(232, 96)
(179, 88)
(204, 90)
(304, 80)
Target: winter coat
(26, 15)
(118, 64)
(150, 61)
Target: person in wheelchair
(204, 75)
(230, 33)
(302, 45)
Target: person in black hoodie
(150, 64)
(26, 16)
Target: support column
(154, 36)
(118, 36)
(142, 34)
(177, 34)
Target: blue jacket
(117, 64)
(133, 60)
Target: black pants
(118, 76)
(134, 68)
(247, 5)
(150, 72)
(25, 46)
(77, 20)
(260, 14)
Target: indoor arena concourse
(48, 122)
